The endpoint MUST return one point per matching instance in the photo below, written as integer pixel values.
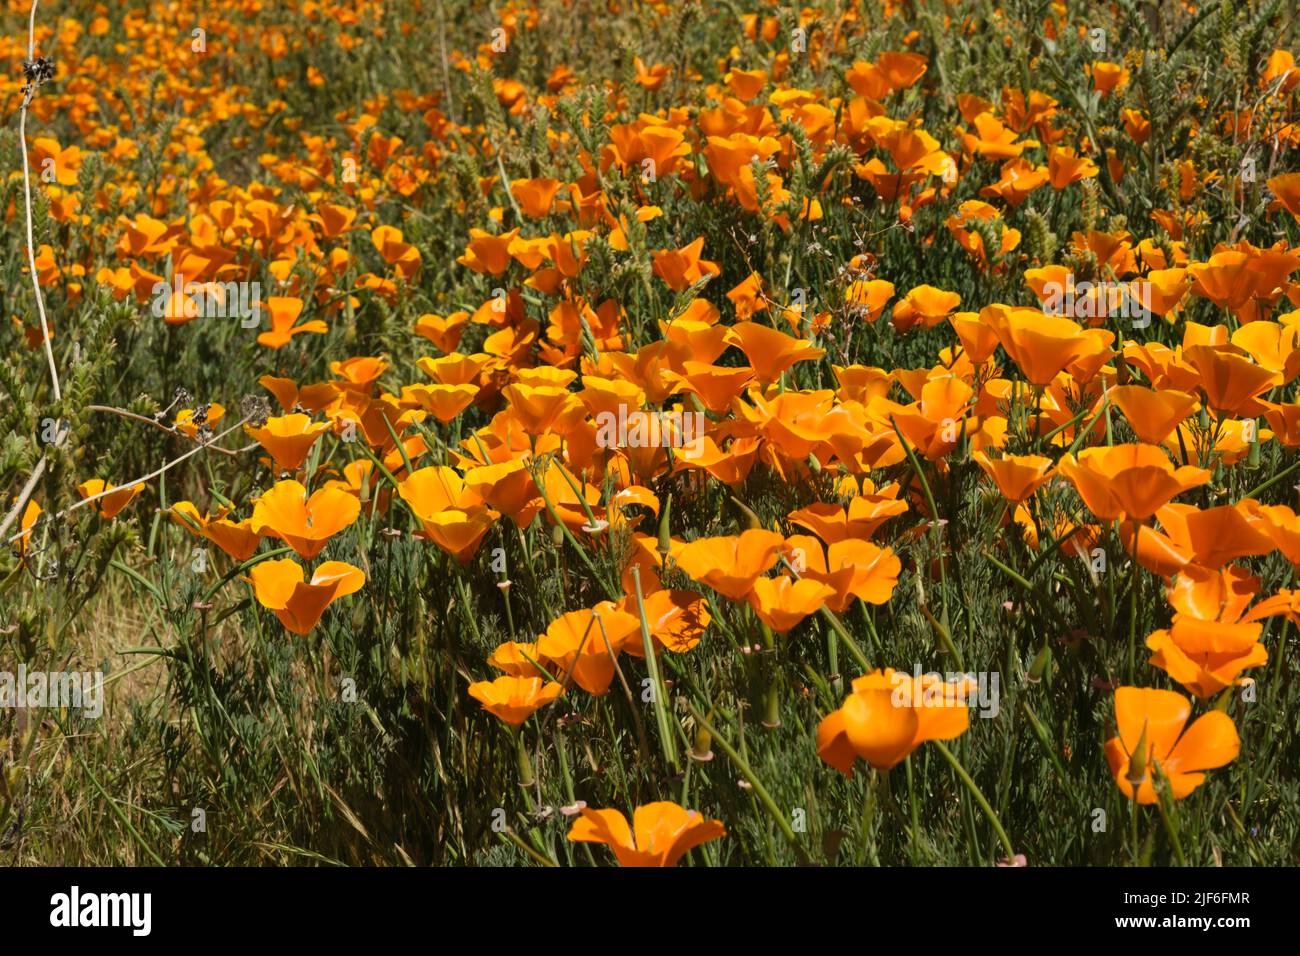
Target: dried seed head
(256, 409)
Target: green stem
(979, 798)
(760, 791)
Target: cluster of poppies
(493, 424)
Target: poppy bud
(525, 765)
(665, 536)
(703, 748)
(1122, 374)
(1040, 665)
(557, 535)
(1137, 763)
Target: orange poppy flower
(868, 297)
(1203, 673)
(1212, 639)
(1210, 609)
(1209, 538)
(515, 699)
(934, 424)
(25, 525)
(1163, 292)
(451, 513)
(1231, 382)
(682, 268)
(747, 297)
(1019, 178)
(333, 219)
(1064, 167)
(281, 587)
(1286, 187)
(284, 313)
(1138, 127)
(305, 524)
(458, 532)
(507, 487)
(1281, 69)
(677, 620)
(890, 714)
(730, 565)
(543, 408)
(1017, 476)
(1107, 77)
(978, 338)
(745, 84)
(715, 385)
(443, 402)
(186, 424)
(359, 373)
(516, 658)
(924, 304)
(770, 352)
(1131, 480)
(288, 438)
(488, 253)
(442, 331)
(660, 835)
(110, 504)
(1151, 728)
(991, 139)
(1040, 344)
(781, 602)
(237, 539)
(1153, 413)
(314, 398)
(535, 196)
(1282, 526)
(852, 568)
(402, 256)
(859, 519)
(584, 643)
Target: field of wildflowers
(555, 432)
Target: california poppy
(1151, 735)
(782, 602)
(284, 313)
(770, 351)
(661, 833)
(305, 524)
(281, 587)
(852, 568)
(515, 699)
(288, 438)
(890, 714)
(1017, 476)
(114, 498)
(1153, 413)
(730, 565)
(235, 538)
(584, 643)
(1131, 480)
(1042, 345)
